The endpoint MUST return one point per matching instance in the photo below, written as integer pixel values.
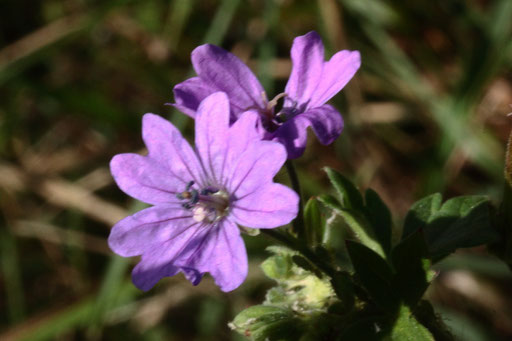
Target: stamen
(207, 205)
(195, 197)
(273, 102)
(189, 185)
(264, 97)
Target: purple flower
(199, 197)
(312, 83)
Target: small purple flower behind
(199, 197)
(312, 83)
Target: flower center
(208, 204)
(271, 120)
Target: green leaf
(412, 268)
(277, 267)
(421, 212)
(349, 194)
(374, 273)
(330, 201)
(357, 223)
(263, 322)
(371, 223)
(261, 313)
(306, 265)
(379, 217)
(406, 327)
(323, 253)
(460, 222)
(344, 288)
(314, 221)
(424, 313)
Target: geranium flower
(199, 197)
(312, 83)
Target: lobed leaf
(412, 268)
(460, 222)
(406, 327)
(375, 275)
(357, 222)
(379, 217)
(349, 194)
(314, 222)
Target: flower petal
(149, 271)
(161, 260)
(257, 166)
(192, 275)
(293, 136)
(220, 251)
(244, 131)
(225, 72)
(189, 94)
(271, 206)
(212, 123)
(149, 228)
(145, 179)
(167, 146)
(326, 122)
(335, 75)
(307, 58)
(229, 259)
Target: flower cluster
(201, 196)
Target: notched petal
(144, 178)
(325, 121)
(189, 94)
(225, 72)
(271, 206)
(149, 228)
(167, 146)
(212, 123)
(307, 55)
(256, 166)
(336, 73)
(229, 259)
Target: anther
(194, 197)
(189, 185)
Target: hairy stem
(298, 223)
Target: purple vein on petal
(233, 191)
(185, 244)
(203, 239)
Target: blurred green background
(426, 112)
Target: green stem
(298, 223)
